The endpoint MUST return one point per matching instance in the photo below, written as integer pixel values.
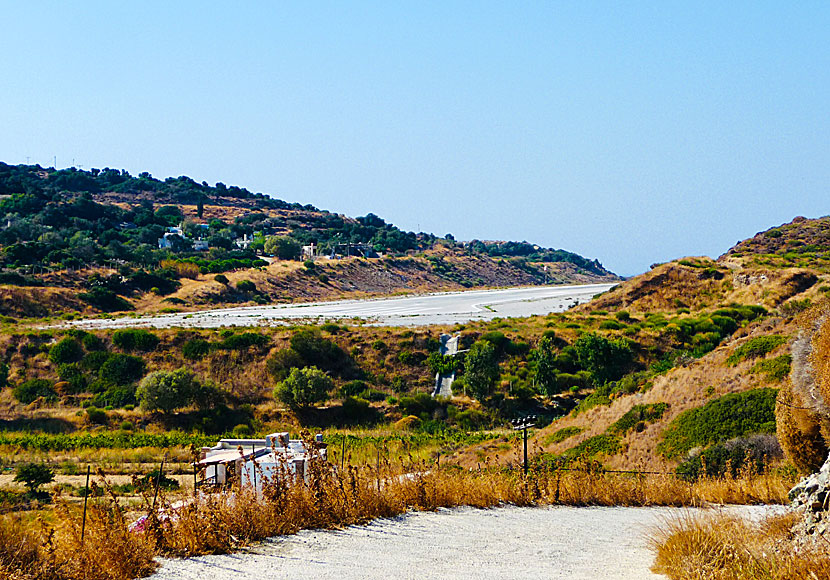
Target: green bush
(105, 300)
(352, 389)
(610, 325)
(221, 278)
(122, 369)
(472, 420)
(606, 360)
(756, 348)
(605, 444)
(135, 339)
(246, 286)
(92, 342)
(733, 415)
(417, 404)
(95, 415)
(167, 391)
(93, 361)
(303, 388)
(28, 391)
(775, 369)
(754, 453)
(66, 350)
(73, 375)
(562, 434)
(280, 363)
(245, 341)
(322, 353)
(196, 348)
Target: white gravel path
(504, 543)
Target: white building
(249, 463)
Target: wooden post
(158, 481)
(86, 497)
(343, 454)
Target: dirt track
(505, 543)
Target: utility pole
(523, 425)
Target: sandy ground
(505, 543)
(442, 308)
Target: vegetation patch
(733, 415)
(756, 347)
(637, 418)
(775, 369)
(562, 434)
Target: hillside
(104, 240)
(628, 426)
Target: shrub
(33, 475)
(222, 279)
(637, 417)
(331, 328)
(246, 286)
(195, 348)
(610, 325)
(323, 353)
(244, 341)
(481, 369)
(122, 369)
(242, 431)
(472, 420)
(94, 360)
(66, 350)
(95, 415)
(562, 434)
(418, 404)
(606, 444)
(72, 375)
(408, 357)
(756, 348)
(92, 342)
(732, 457)
(167, 391)
(115, 396)
(303, 388)
(733, 415)
(776, 369)
(135, 339)
(352, 389)
(105, 300)
(280, 363)
(357, 411)
(606, 360)
(28, 391)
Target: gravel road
(504, 543)
(421, 310)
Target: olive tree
(303, 387)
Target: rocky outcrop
(811, 497)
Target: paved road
(421, 310)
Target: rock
(810, 498)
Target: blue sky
(629, 132)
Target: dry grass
(695, 547)
(50, 547)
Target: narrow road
(421, 310)
(567, 543)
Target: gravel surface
(504, 543)
(443, 308)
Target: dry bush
(700, 547)
(181, 269)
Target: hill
(726, 366)
(104, 240)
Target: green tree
(303, 388)
(67, 350)
(33, 475)
(606, 360)
(481, 369)
(546, 368)
(167, 390)
(282, 247)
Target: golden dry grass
(717, 546)
(49, 547)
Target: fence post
(86, 497)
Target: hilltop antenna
(27, 160)
(55, 160)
